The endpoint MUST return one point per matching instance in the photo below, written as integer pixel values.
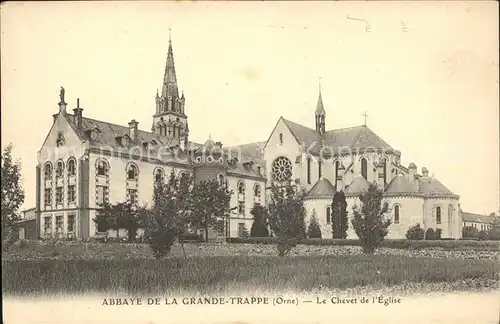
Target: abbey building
(86, 162)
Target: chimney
(219, 144)
(78, 114)
(132, 126)
(425, 172)
(413, 173)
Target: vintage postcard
(250, 162)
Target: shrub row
(389, 243)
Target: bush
(483, 236)
(469, 232)
(314, 231)
(415, 233)
(430, 234)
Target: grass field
(229, 273)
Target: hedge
(390, 243)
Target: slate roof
(477, 218)
(323, 188)
(107, 133)
(401, 186)
(357, 186)
(354, 138)
(249, 152)
(432, 188)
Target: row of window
(396, 211)
(481, 227)
(71, 166)
(60, 195)
(364, 169)
(59, 226)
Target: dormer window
(125, 140)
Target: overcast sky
(426, 73)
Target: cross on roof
(366, 116)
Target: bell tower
(170, 119)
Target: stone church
(85, 162)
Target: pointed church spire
(320, 113)
(170, 79)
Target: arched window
(319, 168)
(384, 171)
(71, 167)
(337, 165)
(131, 172)
(256, 190)
(364, 168)
(221, 180)
(281, 138)
(282, 169)
(396, 214)
(59, 169)
(328, 215)
(438, 215)
(102, 168)
(159, 176)
(182, 176)
(48, 171)
(308, 170)
(241, 187)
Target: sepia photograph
(250, 162)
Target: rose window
(282, 169)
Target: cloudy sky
(425, 72)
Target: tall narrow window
(337, 164)
(396, 214)
(71, 167)
(256, 190)
(309, 170)
(71, 193)
(159, 176)
(131, 172)
(47, 225)
(101, 168)
(221, 180)
(48, 197)
(241, 208)
(364, 168)
(241, 187)
(100, 195)
(319, 168)
(384, 166)
(48, 171)
(71, 223)
(59, 169)
(59, 224)
(438, 215)
(132, 196)
(328, 215)
(59, 195)
(281, 138)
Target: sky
(426, 73)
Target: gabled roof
(358, 137)
(352, 138)
(250, 151)
(477, 218)
(323, 188)
(432, 188)
(357, 186)
(400, 186)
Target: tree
(259, 225)
(210, 203)
(116, 216)
(494, 231)
(415, 233)
(339, 216)
(314, 230)
(369, 222)
(286, 217)
(170, 216)
(12, 191)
